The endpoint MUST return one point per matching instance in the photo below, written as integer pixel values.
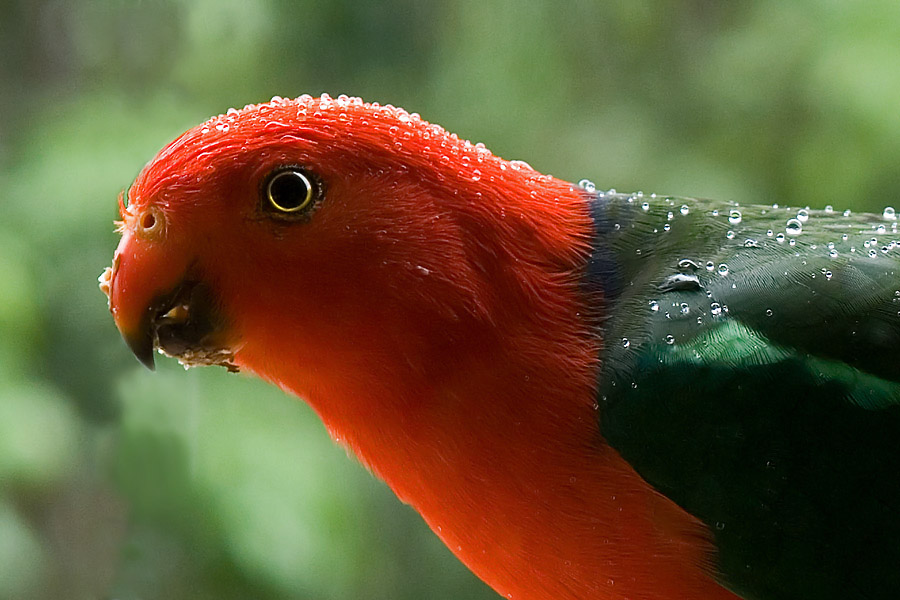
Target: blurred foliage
(115, 482)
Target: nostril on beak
(151, 223)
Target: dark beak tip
(141, 345)
(147, 361)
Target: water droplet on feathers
(680, 282)
(734, 217)
(587, 185)
(793, 227)
(889, 214)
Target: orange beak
(159, 300)
(141, 286)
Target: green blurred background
(119, 483)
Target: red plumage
(430, 310)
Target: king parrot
(586, 394)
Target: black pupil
(289, 190)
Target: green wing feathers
(750, 373)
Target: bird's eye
(289, 191)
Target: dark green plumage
(751, 373)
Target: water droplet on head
(715, 309)
(769, 312)
(723, 269)
(476, 175)
(889, 214)
(750, 243)
(715, 212)
(734, 217)
(645, 206)
(881, 229)
(625, 342)
(685, 308)
(670, 339)
(729, 234)
(654, 305)
(803, 215)
(710, 265)
(829, 209)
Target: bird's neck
(481, 414)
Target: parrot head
(325, 237)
